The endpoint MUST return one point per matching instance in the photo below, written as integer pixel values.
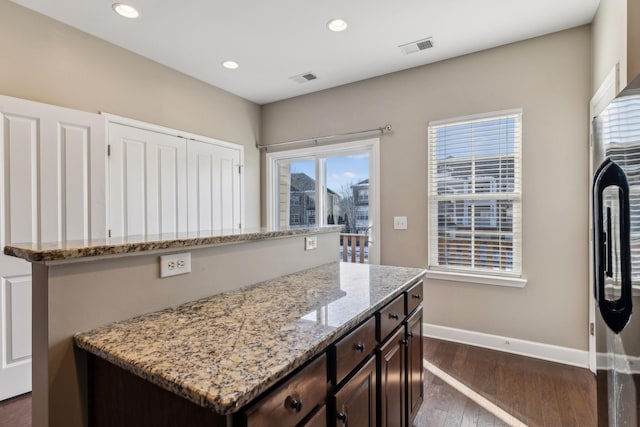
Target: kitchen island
(224, 351)
(83, 285)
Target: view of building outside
(346, 199)
(474, 186)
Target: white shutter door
(148, 182)
(214, 186)
(46, 195)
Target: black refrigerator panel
(616, 258)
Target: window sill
(513, 282)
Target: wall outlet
(310, 243)
(399, 222)
(172, 265)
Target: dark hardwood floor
(535, 392)
(16, 412)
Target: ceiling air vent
(416, 46)
(304, 77)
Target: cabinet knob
(410, 334)
(293, 403)
(342, 417)
(393, 316)
(359, 347)
(405, 343)
(415, 296)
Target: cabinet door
(414, 365)
(148, 182)
(214, 186)
(52, 188)
(355, 402)
(392, 381)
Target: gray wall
(609, 41)
(549, 78)
(46, 61)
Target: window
(475, 195)
(331, 174)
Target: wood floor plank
(536, 392)
(16, 412)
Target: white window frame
(372, 146)
(480, 276)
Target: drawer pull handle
(415, 296)
(294, 403)
(359, 347)
(393, 316)
(342, 417)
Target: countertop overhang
(74, 250)
(223, 351)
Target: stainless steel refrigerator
(616, 257)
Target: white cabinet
(147, 182)
(161, 183)
(214, 174)
(52, 188)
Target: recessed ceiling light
(232, 65)
(125, 10)
(337, 25)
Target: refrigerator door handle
(615, 313)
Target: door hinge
(109, 233)
(592, 328)
(239, 169)
(108, 150)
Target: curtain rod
(384, 129)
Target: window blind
(474, 190)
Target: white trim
(479, 116)
(514, 282)
(552, 353)
(112, 118)
(371, 145)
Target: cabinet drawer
(352, 349)
(414, 297)
(390, 317)
(288, 404)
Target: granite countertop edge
(74, 250)
(225, 405)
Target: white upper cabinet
(163, 183)
(54, 183)
(147, 182)
(214, 174)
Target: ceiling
(275, 40)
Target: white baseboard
(552, 353)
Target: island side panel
(83, 295)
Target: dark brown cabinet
(355, 401)
(292, 401)
(392, 378)
(415, 393)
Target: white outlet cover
(310, 243)
(175, 264)
(400, 223)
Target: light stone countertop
(75, 249)
(223, 351)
